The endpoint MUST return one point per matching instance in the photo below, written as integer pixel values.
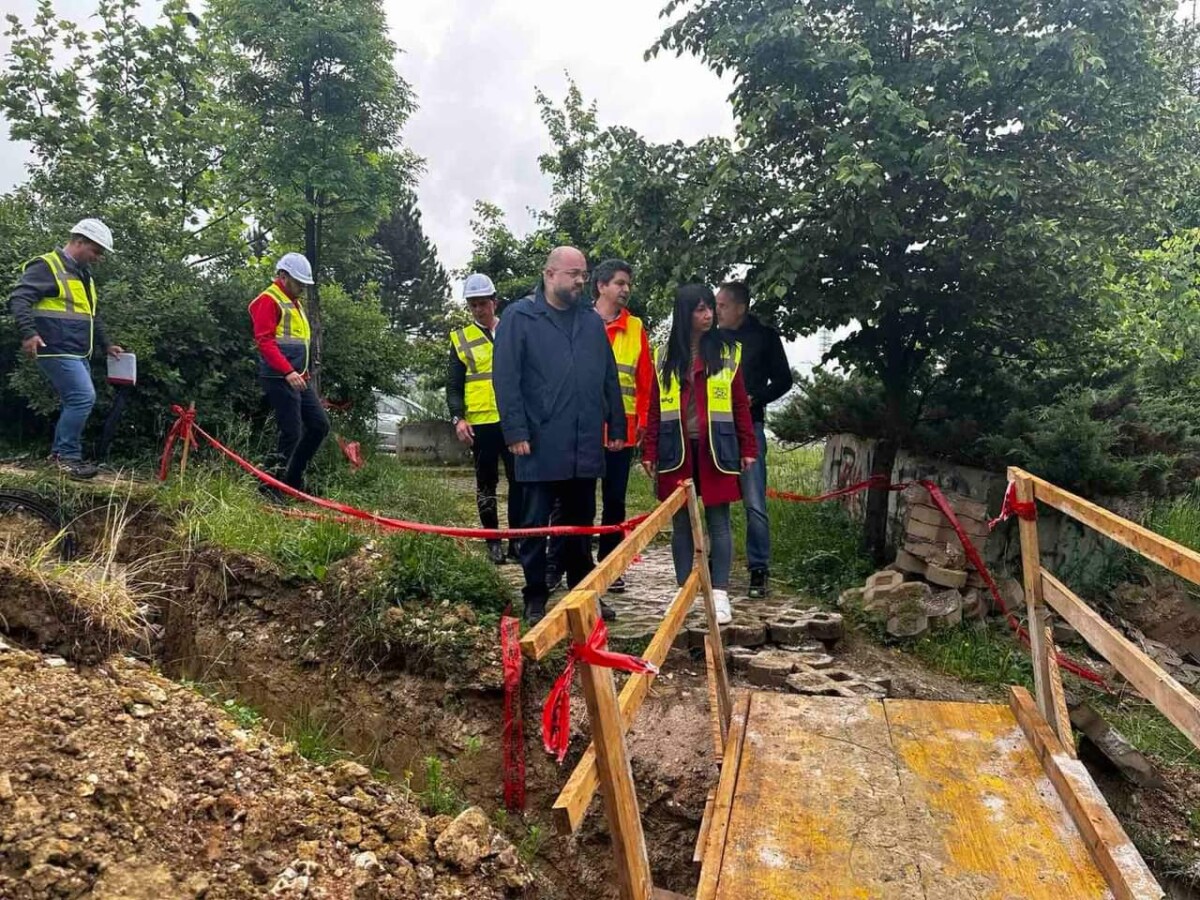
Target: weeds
(439, 797)
(531, 844)
(313, 739)
(474, 744)
(246, 716)
(432, 569)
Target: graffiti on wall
(847, 464)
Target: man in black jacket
(768, 377)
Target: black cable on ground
(48, 511)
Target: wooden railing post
(1037, 619)
(700, 564)
(612, 763)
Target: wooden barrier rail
(605, 763)
(1043, 590)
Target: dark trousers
(488, 451)
(576, 501)
(613, 488)
(302, 424)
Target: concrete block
(851, 598)
(884, 579)
(770, 668)
(813, 683)
(949, 556)
(911, 594)
(909, 562)
(1065, 633)
(739, 658)
(930, 515)
(919, 531)
(788, 630)
(827, 627)
(949, 578)
(744, 634)
(944, 610)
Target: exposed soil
(117, 783)
(426, 684)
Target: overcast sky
(475, 64)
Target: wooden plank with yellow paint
(816, 810)
(970, 778)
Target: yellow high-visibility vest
(475, 348)
(65, 322)
(292, 333)
(722, 433)
(627, 348)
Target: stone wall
(1072, 551)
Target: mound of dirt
(117, 783)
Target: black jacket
(37, 282)
(765, 367)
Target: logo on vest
(720, 392)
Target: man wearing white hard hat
(472, 404)
(283, 337)
(54, 305)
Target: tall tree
(325, 106)
(951, 177)
(414, 288)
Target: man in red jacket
(283, 337)
(612, 282)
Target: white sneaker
(724, 610)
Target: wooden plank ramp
(836, 798)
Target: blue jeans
(72, 381)
(754, 499)
(720, 536)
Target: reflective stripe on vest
(627, 348)
(722, 432)
(72, 308)
(474, 350)
(292, 332)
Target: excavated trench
(294, 653)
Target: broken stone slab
(973, 606)
(813, 683)
(943, 577)
(739, 658)
(944, 610)
(922, 531)
(909, 596)
(1115, 747)
(907, 624)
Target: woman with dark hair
(699, 427)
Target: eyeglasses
(575, 273)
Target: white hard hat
(94, 230)
(478, 285)
(296, 265)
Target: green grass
(432, 569)
(216, 508)
(529, 846)
(815, 547)
(989, 655)
(313, 739)
(1148, 731)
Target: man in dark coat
(556, 387)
